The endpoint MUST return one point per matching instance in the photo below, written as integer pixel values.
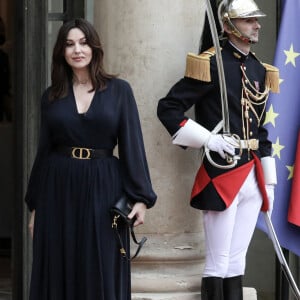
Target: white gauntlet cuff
(191, 135)
(269, 168)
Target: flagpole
(282, 289)
(285, 285)
(278, 13)
(282, 285)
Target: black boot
(233, 288)
(212, 288)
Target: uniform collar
(237, 53)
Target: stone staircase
(169, 267)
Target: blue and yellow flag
(283, 122)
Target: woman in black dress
(75, 179)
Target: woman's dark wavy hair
(61, 73)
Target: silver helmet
(235, 9)
(239, 9)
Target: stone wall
(146, 43)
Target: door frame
(31, 25)
(30, 64)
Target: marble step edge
(165, 283)
(248, 294)
(165, 296)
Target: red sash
(229, 183)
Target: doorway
(7, 125)
(30, 31)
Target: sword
(232, 161)
(222, 81)
(284, 266)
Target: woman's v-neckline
(75, 103)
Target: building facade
(146, 43)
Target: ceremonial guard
(237, 176)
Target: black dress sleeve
(134, 166)
(42, 152)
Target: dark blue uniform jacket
(205, 97)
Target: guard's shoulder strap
(198, 66)
(272, 77)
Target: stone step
(166, 296)
(169, 263)
(164, 277)
(170, 247)
(248, 294)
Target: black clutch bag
(120, 212)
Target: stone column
(146, 42)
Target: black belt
(83, 153)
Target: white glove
(194, 135)
(217, 143)
(270, 194)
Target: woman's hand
(138, 211)
(31, 223)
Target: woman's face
(78, 54)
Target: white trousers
(228, 233)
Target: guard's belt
(251, 144)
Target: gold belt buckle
(253, 144)
(81, 153)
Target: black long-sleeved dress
(75, 250)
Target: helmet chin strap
(242, 37)
(236, 32)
